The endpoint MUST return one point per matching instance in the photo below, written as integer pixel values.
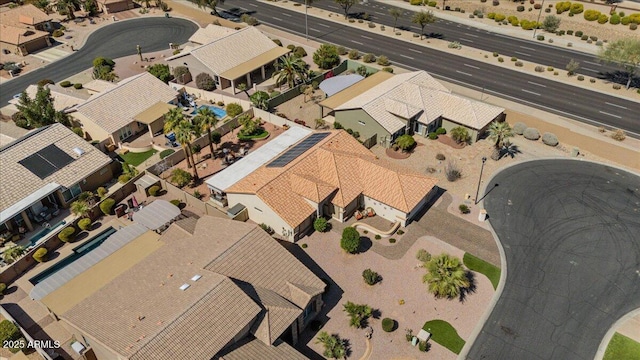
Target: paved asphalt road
(537, 52)
(113, 41)
(570, 230)
(588, 106)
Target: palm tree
(209, 4)
(446, 276)
(334, 347)
(68, 7)
(288, 69)
(260, 99)
(172, 119)
(395, 13)
(80, 208)
(206, 119)
(499, 132)
(460, 134)
(184, 135)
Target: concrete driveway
(571, 234)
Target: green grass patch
(136, 159)
(489, 270)
(444, 334)
(260, 135)
(621, 347)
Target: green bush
(205, 82)
(77, 86)
(633, 26)
(161, 71)
(164, 153)
(383, 61)
(350, 241)
(84, 224)
(106, 206)
(277, 41)
(433, 136)
(175, 202)
(67, 233)
(592, 15)
(40, 255)
(9, 331)
(299, 51)
(326, 57)
(304, 246)
(388, 325)
(491, 15)
(353, 54)
(441, 131)
(181, 177)
(464, 209)
(378, 237)
(370, 277)
(65, 84)
(563, 6)
(499, 17)
(423, 255)
(387, 69)
(415, 2)
(615, 19)
(124, 178)
(369, 58)
(320, 224)
(392, 241)
(576, 8)
(291, 47)
(337, 126)
(234, 109)
(101, 191)
(78, 131)
(3, 287)
(57, 33)
(603, 19)
(153, 191)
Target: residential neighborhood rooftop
(27, 14)
(210, 33)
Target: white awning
(146, 181)
(156, 215)
(334, 85)
(248, 164)
(26, 202)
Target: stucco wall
(260, 213)
(350, 120)
(448, 125)
(385, 211)
(94, 131)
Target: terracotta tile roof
(253, 349)
(210, 33)
(115, 108)
(17, 182)
(244, 283)
(16, 35)
(337, 164)
(23, 15)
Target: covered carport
(153, 117)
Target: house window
(70, 193)
(125, 132)
(362, 123)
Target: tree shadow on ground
(365, 245)
(619, 77)
(52, 256)
(510, 150)
(464, 292)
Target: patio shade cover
(334, 85)
(255, 63)
(156, 214)
(21, 205)
(153, 113)
(146, 181)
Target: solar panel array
(46, 161)
(291, 154)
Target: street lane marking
(325, 25)
(285, 14)
(536, 84)
(254, 5)
(463, 73)
(471, 66)
(357, 42)
(618, 106)
(606, 113)
(471, 35)
(275, 18)
(595, 71)
(312, 29)
(408, 57)
(366, 37)
(531, 92)
(379, 13)
(333, 7)
(528, 48)
(415, 51)
(521, 53)
(592, 63)
(467, 40)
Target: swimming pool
(220, 113)
(78, 252)
(42, 233)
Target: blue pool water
(42, 233)
(78, 252)
(220, 113)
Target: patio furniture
(359, 215)
(370, 212)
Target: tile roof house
(64, 99)
(240, 56)
(332, 175)
(24, 29)
(112, 6)
(210, 33)
(47, 167)
(231, 293)
(109, 116)
(408, 103)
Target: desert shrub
(299, 51)
(617, 86)
(519, 128)
(392, 241)
(77, 86)
(378, 237)
(495, 54)
(369, 58)
(326, 57)
(65, 84)
(84, 224)
(499, 17)
(618, 135)
(500, 59)
(164, 153)
(387, 69)
(584, 37)
(415, 2)
(370, 277)
(181, 71)
(388, 325)
(633, 26)
(539, 68)
(615, 19)
(320, 224)
(423, 255)
(452, 171)
(531, 134)
(40, 255)
(3, 287)
(563, 6)
(153, 191)
(175, 202)
(341, 50)
(592, 15)
(181, 177)
(433, 136)
(44, 82)
(249, 20)
(67, 233)
(550, 139)
(520, 8)
(350, 241)
(205, 82)
(371, 25)
(101, 191)
(383, 60)
(277, 41)
(440, 156)
(625, 20)
(234, 109)
(57, 33)
(603, 19)
(78, 131)
(519, 64)
(106, 206)
(579, 33)
(580, 77)
(354, 54)
(464, 209)
(291, 47)
(576, 8)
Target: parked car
(227, 16)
